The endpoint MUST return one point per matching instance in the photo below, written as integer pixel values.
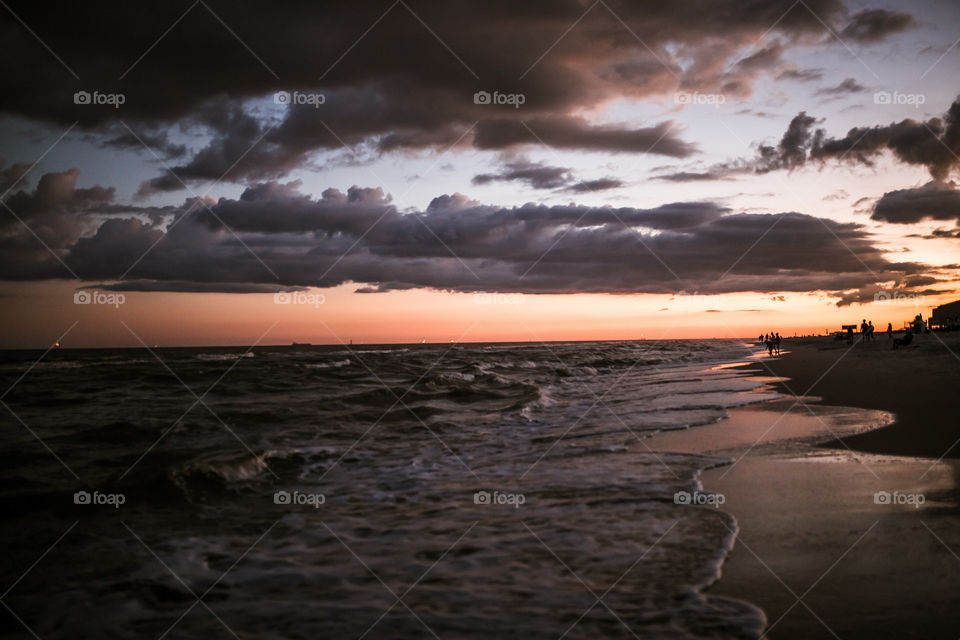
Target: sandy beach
(919, 384)
(848, 523)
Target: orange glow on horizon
(42, 314)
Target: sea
(367, 491)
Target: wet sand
(920, 384)
(816, 549)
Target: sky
(222, 173)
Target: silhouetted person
(777, 340)
(870, 330)
(889, 331)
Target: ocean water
(451, 491)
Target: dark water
(382, 452)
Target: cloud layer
(275, 236)
(398, 77)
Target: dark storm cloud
(535, 174)
(873, 25)
(185, 286)
(273, 208)
(933, 201)
(691, 176)
(919, 281)
(55, 207)
(38, 223)
(942, 233)
(243, 148)
(541, 176)
(146, 141)
(275, 236)
(116, 242)
(899, 291)
(934, 144)
(301, 41)
(233, 152)
(791, 152)
(762, 60)
(11, 176)
(847, 86)
(577, 133)
(600, 184)
(400, 80)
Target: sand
(815, 550)
(920, 384)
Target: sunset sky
(225, 173)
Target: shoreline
(917, 384)
(823, 559)
(814, 549)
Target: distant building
(946, 315)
